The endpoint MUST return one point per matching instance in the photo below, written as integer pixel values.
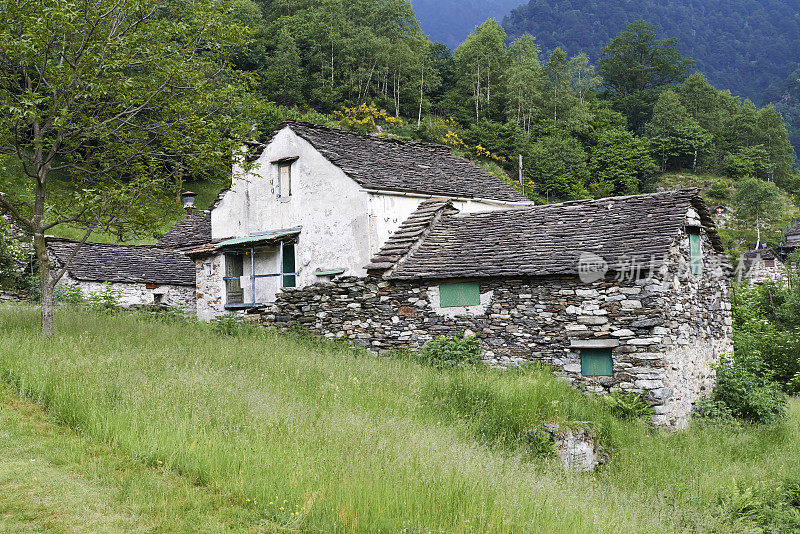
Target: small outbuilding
(143, 275)
(627, 293)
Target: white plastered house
(320, 203)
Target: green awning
(260, 238)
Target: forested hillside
(741, 45)
(582, 128)
(450, 21)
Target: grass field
(277, 432)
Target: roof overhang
(259, 239)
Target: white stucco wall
(343, 224)
(138, 294)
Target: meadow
(278, 432)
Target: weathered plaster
(138, 294)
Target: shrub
(628, 405)
(445, 352)
(106, 300)
(540, 442)
(68, 294)
(745, 386)
(230, 324)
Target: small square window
(596, 362)
(459, 294)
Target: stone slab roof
(409, 233)
(549, 239)
(393, 165)
(190, 231)
(98, 262)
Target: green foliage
(68, 294)
(745, 387)
(676, 137)
(759, 205)
(446, 352)
(105, 301)
(558, 167)
(540, 442)
(619, 164)
(13, 258)
(773, 508)
(628, 405)
(230, 324)
(759, 36)
(339, 431)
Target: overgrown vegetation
(446, 352)
(359, 443)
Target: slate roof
(549, 239)
(190, 231)
(125, 263)
(409, 233)
(393, 165)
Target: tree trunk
(45, 282)
(758, 232)
(421, 86)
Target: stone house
(319, 203)
(144, 275)
(626, 293)
(762, 265)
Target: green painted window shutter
(459, 294)
(696, 253)
(289, 278)
(596, 362)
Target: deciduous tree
(104, 104)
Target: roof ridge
(584, 202)
(370, 136)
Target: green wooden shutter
(289, 278)
(596, 362)
(459, 294)
(696, 254)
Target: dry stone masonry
(666, 327)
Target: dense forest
(744, 46)
(450, 21)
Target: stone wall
(670, 327)
(210, 287)
(137, 294)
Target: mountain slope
(741, 45)
(450, 21)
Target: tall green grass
(324, 438)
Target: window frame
(230, 278)
(457, 296)
(596, 353)
(287, 165)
